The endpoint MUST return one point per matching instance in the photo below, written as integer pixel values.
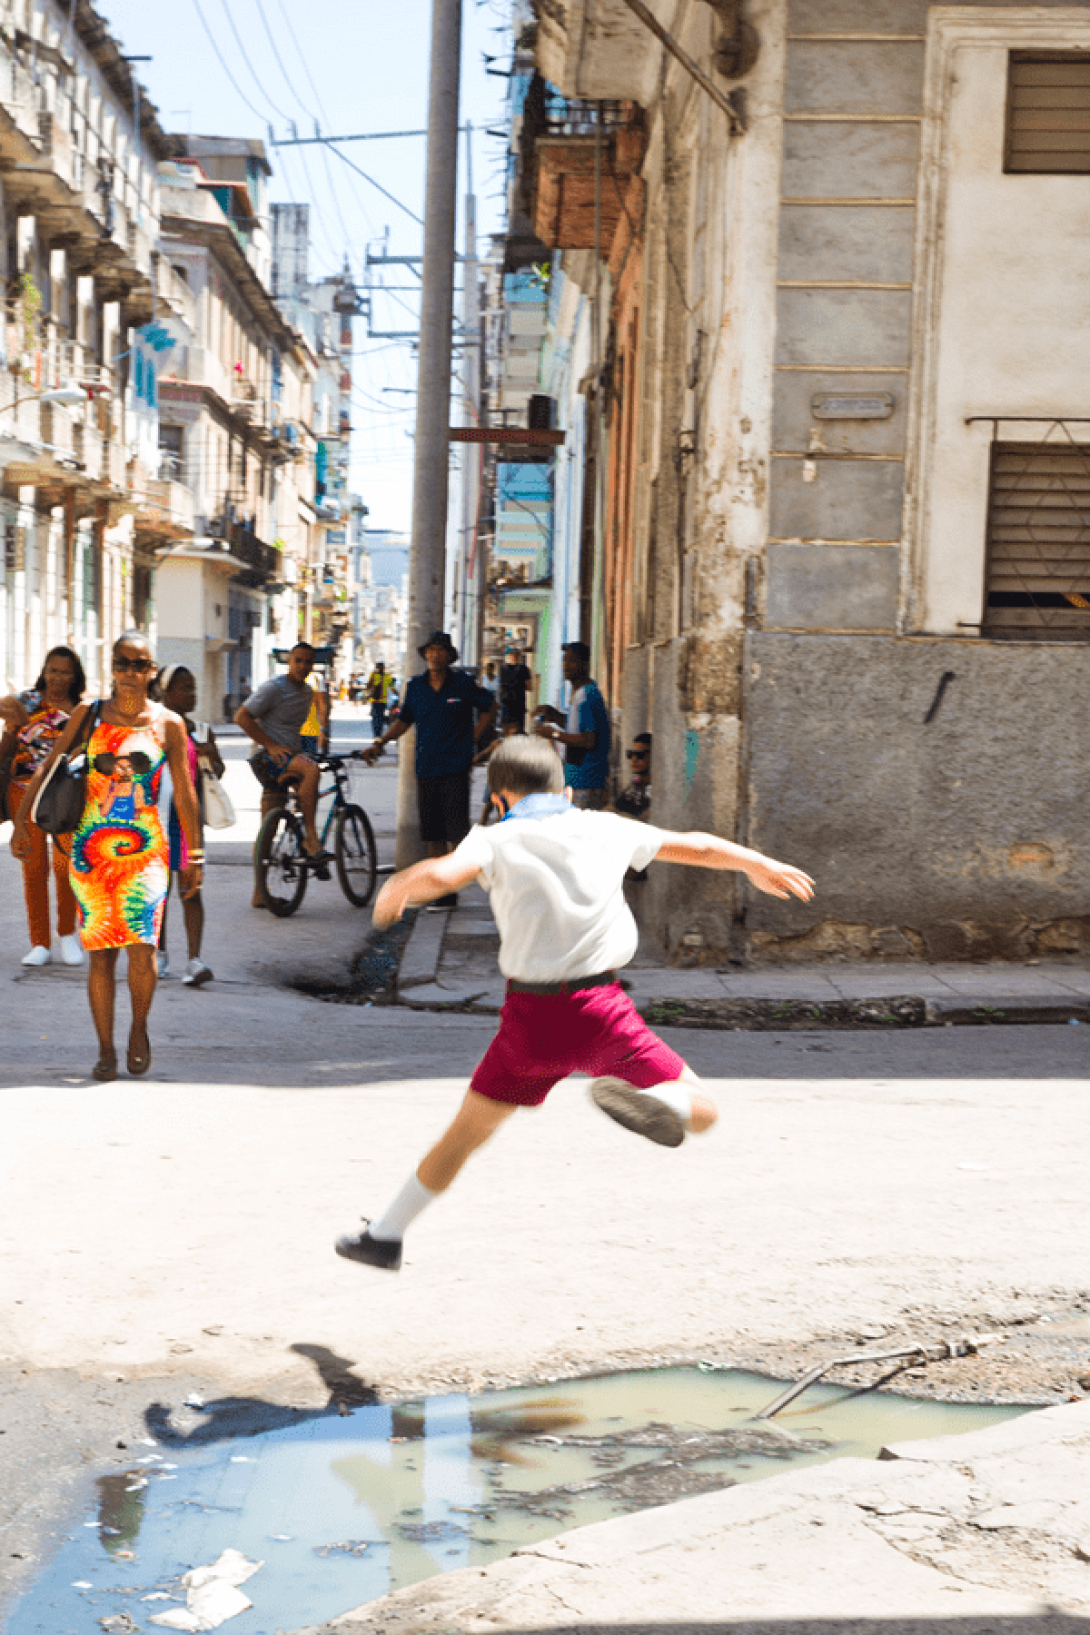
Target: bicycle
(281, 863)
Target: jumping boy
(554, 875)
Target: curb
(419, 988)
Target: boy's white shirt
(556, 888)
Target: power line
(291, 87)
(222, 63)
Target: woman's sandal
(106, 1066)
(138, 1060)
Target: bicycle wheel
(281, 874)
(354, 854)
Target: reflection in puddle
(341, 1510)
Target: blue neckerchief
(539, 806)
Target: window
(1038, 555)
(1048, 113)
(172, 450)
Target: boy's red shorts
(544, 1037)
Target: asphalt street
(176, 1231)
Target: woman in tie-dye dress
(119, 858)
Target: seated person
(274, 716)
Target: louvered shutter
(1038, 555)
(1048, 113)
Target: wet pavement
(340, 1505)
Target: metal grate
(1038, 560)
(1048, 113)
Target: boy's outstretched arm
(709, 852)
(422, 883)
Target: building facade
(80, 147)
(822, 512)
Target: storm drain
(327, 1509)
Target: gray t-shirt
(281, 705)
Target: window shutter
(1048, 113)
(1038, 561)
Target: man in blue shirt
(441, 704)
(586, 731)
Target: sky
(354, 66)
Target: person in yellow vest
(378, 692)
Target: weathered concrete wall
(961, 836)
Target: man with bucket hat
(441, 704)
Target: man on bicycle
(274, 716)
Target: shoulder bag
(58, 805)
(216, 807)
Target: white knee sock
(410, 1202)
(677, 1095)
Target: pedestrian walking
(554, 874)
(178, 692)
(378, 692)
(120, 856)
(585, 730)
(441, 704)
(33, 721)
(514, 679)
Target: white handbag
(218, 811)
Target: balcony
(166, 510)
(581, 163)
(262, 561)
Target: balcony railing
(262, 559)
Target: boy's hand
(778, 879)
(390, 905)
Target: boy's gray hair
(525, 766)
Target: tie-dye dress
(119, 861)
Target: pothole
(343, 1507)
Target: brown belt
(576, 985)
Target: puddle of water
(344, 1508)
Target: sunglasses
(136, 666)
(107, 764)
(637, 754)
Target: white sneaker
(162, 960)
(72, 949)
(197, 974)
(37, 956)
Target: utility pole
(466, 587)
(427, 554)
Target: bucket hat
(439, 638)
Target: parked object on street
(33, 722)
(119, 866)
(585, 731)
(554, 874)
(441, 703)
(178, 691)
(282, 864)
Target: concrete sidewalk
(450, 963)
(986, 1533)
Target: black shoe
(381, 1252)
(449, 901)
(638, 1110)
(319, 862)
